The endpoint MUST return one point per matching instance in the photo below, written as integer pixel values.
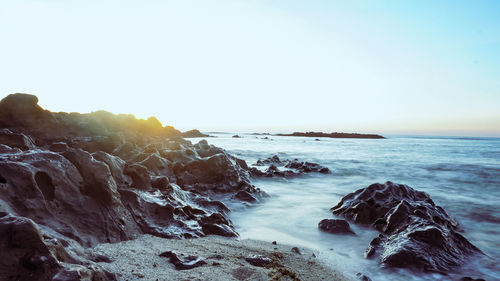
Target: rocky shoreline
(77, 189)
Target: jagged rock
(29, 253)
(185, 262)
(139, 175)
(268, 161)
(258, 260)
(289, 168)
(415, 231)
(335, 226)
(11, 139)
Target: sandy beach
(225, 260)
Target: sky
(399, 67)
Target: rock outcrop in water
(333, 135)
(285, 168)
(194, 134)
(70, 181)
(415, 232)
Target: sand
(139, 260)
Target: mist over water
(461, 174)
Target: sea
(461, 174)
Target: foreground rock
(184, 262)
(30, 252)
(415, 232)
(104, 178)
(275, 167)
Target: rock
(258, 260)
(59, 147)
(271, 160)
(184, 262)
(415, 232)
(217, 224)
(333, 135)
(289, 168)
(236, 136)
(361, 277)
(31, 254)
(14, 140)
(245, 196)
(335, 226)
(296, 250)
(139, 175)
(194, 134)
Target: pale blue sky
(422, 67)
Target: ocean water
(461, 174)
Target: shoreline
(139, 259)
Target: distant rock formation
(69, 181)
(415, 232)
(333, 135)
(194, 134)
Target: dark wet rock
(182, 262)
(59, 147)
(361, 277)
(15, 140)
(245, 196)
(471, 279)
(307, 167)
(161, 183)
(296, 250)
(271, 160)
(217, 224)
(139, 175)
(218, 173)
(258, 260)
(30, 253)
(236, 136)
(415, 231)
(335, 226)
(194, 134)
(277, 167)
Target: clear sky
(418, 67)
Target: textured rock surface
(104, 178)
(415, 232)
(275, 167)
(32, 253)
(335, 226)
(182, 262)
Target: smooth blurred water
(461, 174)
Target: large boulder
(415, 232)
(32, 254)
